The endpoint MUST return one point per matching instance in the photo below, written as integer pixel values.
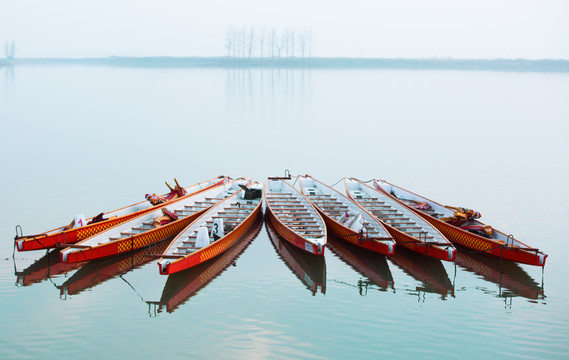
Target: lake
(86, 139)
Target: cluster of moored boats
(207, 219)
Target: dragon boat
(214, 231)
(293, 217)
(150, 228)
(67, 234)
(407, 228)
(461, 227)
(346, 219)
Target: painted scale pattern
(133, 242)
(75, 235)
(479, 243)
(213, 251)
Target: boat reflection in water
(98, 271)
(308, 268)
(369, 264)
(48, 266)
(429, 271)
(511, 279)
(181, 286)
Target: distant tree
(251, 41)
(310, 44)
(241, 40)
(273, 41)
(10, 49)
(302, 42)
(261, 40)
(292, 42)
(280, 45)
(229, 40)
(286, 43)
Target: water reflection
(268, 94)
(369, 264)
(181, 286)
(309, 269)
(8, 79)
(429, 271)
(44, 268)
(511, 279)
(98, 271)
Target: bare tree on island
(310, 44)
(10, 50)
(251, 42)
(230, 41)
(273, 42)
(292, 42)
(262, 37)
(280, 45)
(241, 37)
(302, 42)
(286, 43)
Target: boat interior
(335, 205)
(391, 212)
(216, 223)
(181, 208)
(440, 211)
(293, 210)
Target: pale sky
(357, 28)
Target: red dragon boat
(293, 217)
(346, 219)
(462, 228)
(161, 223)
(65, 235)
(408, 229)
(214, 231)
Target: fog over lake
(465, 103)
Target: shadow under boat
(46, 267)
(369, 264)
(429, 271)
(97, 271)
(308, 268)
(509, 276)
(181, 286)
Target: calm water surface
(88, 139)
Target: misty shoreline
(517, 65)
